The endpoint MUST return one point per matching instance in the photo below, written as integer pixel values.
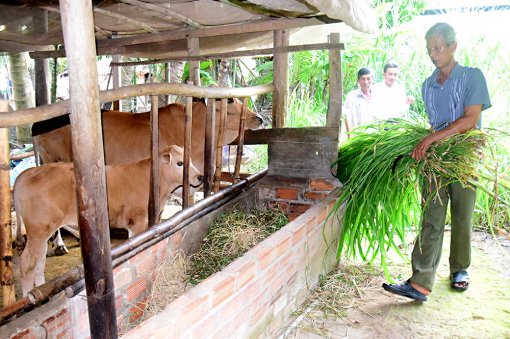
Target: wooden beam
(335, 84)
(258, 26)
(236, 54)
(6, 275)
(261, 136)
(165, 11)
(89, 168)
(219, 144)
(32, 115)
(188, 122)
(125, 19)
(194, 66)
(41, 66)
(115, 46)
(154, 174)
(209, 145)
(280, 79)
(240, 139)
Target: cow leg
(31, 259)
(56, 245)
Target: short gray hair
(444, 30)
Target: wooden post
(210, 136)
(166, 78)
(6, 277)
(280, 79)
(87, 143)
(116, 82)
(154, 175)
(41, 66)
(219, 145)
(41, 70)
(240, 143)
(335, 84)
(194, 66)
(188, 120)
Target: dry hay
(338, 292)
(229, 237)
(171, 280)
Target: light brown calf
(45, 200)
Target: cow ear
(167, 158)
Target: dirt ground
(483, 311)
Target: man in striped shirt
(454, 97)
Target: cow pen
(102, 298)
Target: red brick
(119, 302)
(298, 231)
(123, 277)
(222, 286)
(262, 254)
(137, 289)
(145, 263)
(136, 312)
(58, 324)
(282, 241)
(207, 327)
(259, 311)
(29, 333)
(283, 205)
(296, 209)
(321, 184)
(243, 269)
(312, 195)
(176, 240)
(191, 307)
(287, 193)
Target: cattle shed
(96, 300)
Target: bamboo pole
(188, 121)
(154, 173)
(219, 145)
(194, 66)
(209, 145)
(6, 276)
(87, 142)
(240, 140)
(32, 115)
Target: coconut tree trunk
(23, 90)
(224, 73)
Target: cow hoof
(57, 251)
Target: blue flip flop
(460, 281)
(405, 290)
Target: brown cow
(45, 200)
(127, 135)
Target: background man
(357, 106)
(390, 99)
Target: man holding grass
(454, 97)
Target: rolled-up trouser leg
(428, 246)
(462, 207)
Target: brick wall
(253, 296)
(256, 294)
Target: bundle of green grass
(382, 182)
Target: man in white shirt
(389, 96)
(357, 106)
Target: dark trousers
(428, 246)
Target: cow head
(234, 109)
(172, 167)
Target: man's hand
(421, 149)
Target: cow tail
(20, 241)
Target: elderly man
(454, 97)
(357, 107)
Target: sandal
(460, 281)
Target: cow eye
(230, 100)
(179, 163)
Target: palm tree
(23, 90)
